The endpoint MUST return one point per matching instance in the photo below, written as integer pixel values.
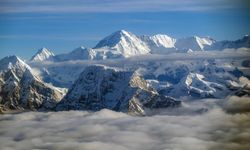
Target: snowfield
(197, 125)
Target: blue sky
(62, 25)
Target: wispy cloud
(55, 6)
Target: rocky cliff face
(20, 89)
(101, 87)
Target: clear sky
(62, 25)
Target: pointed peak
(121, 33)
(44, 50)
(42, 54)
(12, 61)
(114, 38)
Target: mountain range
(123, 44)
(128, 73)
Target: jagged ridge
(21, 89)
(101, 87)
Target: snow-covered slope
(196, 85)
(101, 87)
(125, 43)
(13, 63)
(42, 54)
(207, 78)
(194, 43)
(82, 53)
(21, 89)
(160, 43)
(163, 40)
(159, 40)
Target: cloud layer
(199, 125)
(15, 6)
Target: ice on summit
(194, 43)
(43, 54)
(127, 43)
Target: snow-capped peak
(195, 43)
(42, 54)
(81, 53)
(113, 39)
(204, 41)
(124, 42)
(11, 62)
(163, 40)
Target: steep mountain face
(194, 43)
(159, 43)
(14, 64)
(125, 43)
(43, 54)
(163, 40)
(20, 89)
(101, 87)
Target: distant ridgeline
(122, 44)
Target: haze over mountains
(123, 44)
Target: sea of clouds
(197, 125)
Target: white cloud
(237, 105)
(177, 129)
